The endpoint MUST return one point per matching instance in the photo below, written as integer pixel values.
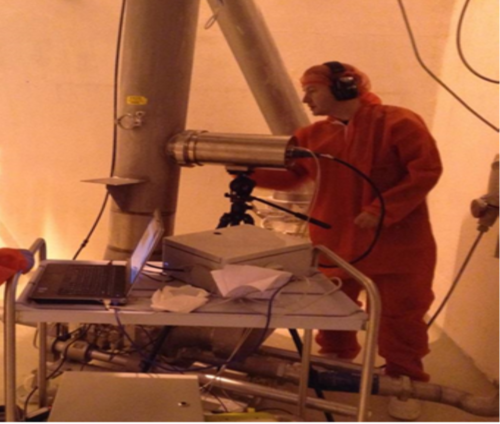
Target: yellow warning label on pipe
(137, 100)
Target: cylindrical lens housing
(197, 148)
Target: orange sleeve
(418, 153)
(11, 261)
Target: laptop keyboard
(91, 281)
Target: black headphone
(343, 87)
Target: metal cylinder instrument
(191, 148)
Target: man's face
(319, 98)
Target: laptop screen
(145, 247)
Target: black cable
(268, 318)
(166, 268)
(457, 279)
(115, 129)
(158, 344)
(158, 280)
(459, 47)
(146, 358)
(378, 194)
(96, 222)
(301, 216)
(115, 85)
(424, 66)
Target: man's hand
(366, 221)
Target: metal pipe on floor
(274, 394)
(403, 387)
(84, 352)
(483, 406)
(342, 381)
(323, 362)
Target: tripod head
(242, 186)
(240, 190)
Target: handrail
(39, 246)
(374, 311)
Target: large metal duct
(153, 92)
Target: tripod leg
(224, 221)
(248, 219)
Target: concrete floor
(446, 363)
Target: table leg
(42, 364)
(9, 317)
(304, 377)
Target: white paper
(182, 299)
(247, 280)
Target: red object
(403, 340)
(11, 261)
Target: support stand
(240, 195)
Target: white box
(91, 396)
(199, 253)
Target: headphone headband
(335, 67)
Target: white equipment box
(91, 396)
(196, 254)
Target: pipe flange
(406, 388)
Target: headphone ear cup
(343, 87)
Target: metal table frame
(371, 325)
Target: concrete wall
(56, 66)
(468, 148)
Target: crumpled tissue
(182, 299)
(249, 281)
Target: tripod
(241, 193)
(240, 190)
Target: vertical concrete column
(153, 92)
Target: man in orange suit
(392, 146)
(14, 260)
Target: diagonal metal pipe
(253, 47)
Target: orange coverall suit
(394, 148)
(11, 261)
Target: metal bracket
(131, 121)
(118, 187)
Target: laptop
(87, 282)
